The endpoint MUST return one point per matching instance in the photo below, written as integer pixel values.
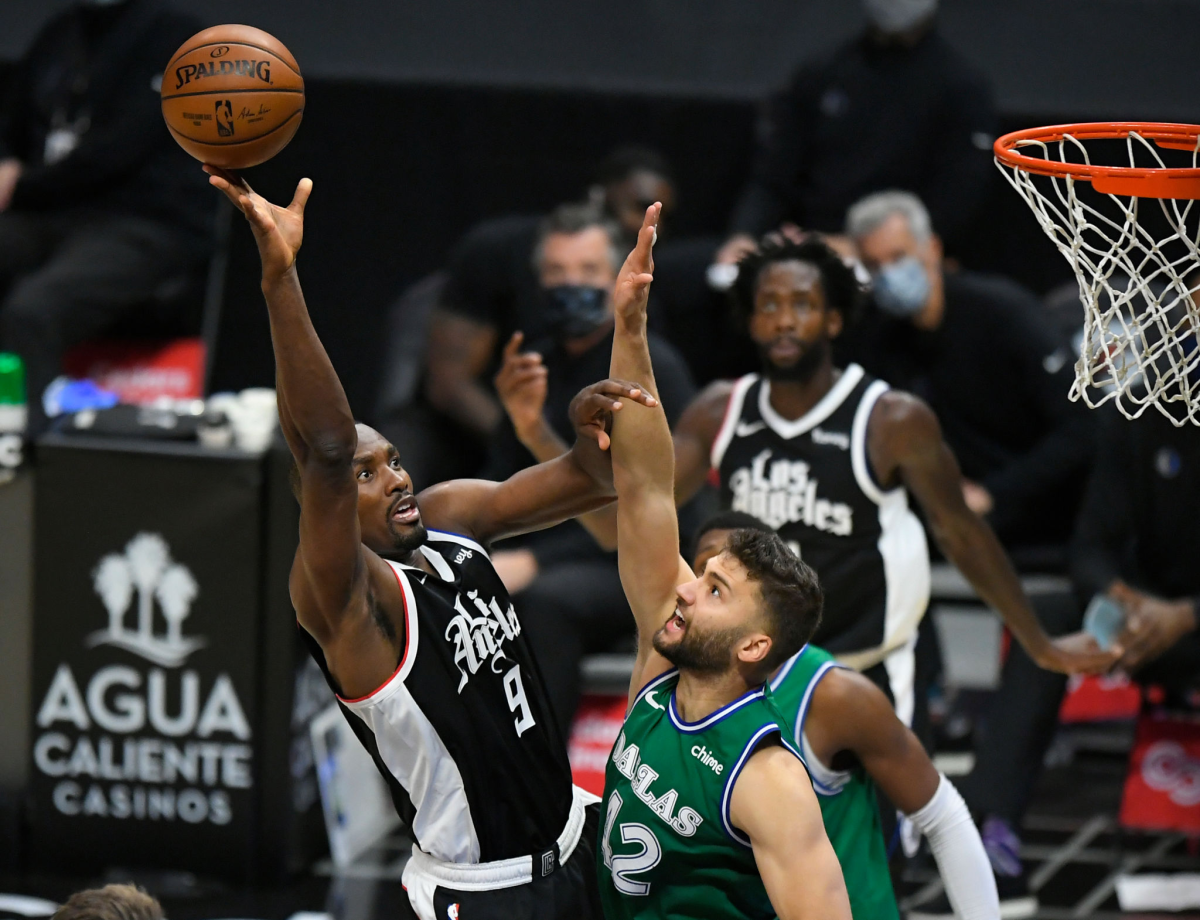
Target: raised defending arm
(643, 466)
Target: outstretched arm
(849, 713)
(643, 467)
(521, 385)
(332, 575)
(773, 803)
(540, 496)
(905, 442)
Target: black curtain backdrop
(401, 172)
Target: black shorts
(571, 892)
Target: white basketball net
(1141, 323)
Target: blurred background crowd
(470, 213)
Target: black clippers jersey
(462, 732)
(810, 479)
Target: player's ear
(936, 249)
(834, 322)
(754, 649)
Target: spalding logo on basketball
(232, 96)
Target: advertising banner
(1162, 789)
(146, 612)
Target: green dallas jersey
(847, 798)
(667, 846)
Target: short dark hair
(838, 281)
(576, 217)
(625, 161)
(112, 902)
(733, 520)
(791, 592)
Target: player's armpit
(849, 713)
(773, 803)
(364, 641)
(695, 432)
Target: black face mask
(575, 310)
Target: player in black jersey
(415, 631)
(828, 457)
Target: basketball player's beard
(699, 652)
(411, 541)
(805, 367)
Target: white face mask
(894, 16)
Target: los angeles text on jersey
(782, 491)
(628, 760)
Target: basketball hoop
(1138, 267)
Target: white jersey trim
(692, 727)
(445, 536)
(727, 794)
(825, 407)
(826, 781)
(411, 638)
(424, 874)
(651, 684)
(733, 413)
(415, 754)
(901, 543)
(858, 445)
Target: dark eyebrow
(721, 578)
(361, 461)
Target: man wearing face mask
(896, 107)
(100, 211)
(566, 588)
(447, 415)
(981, 352)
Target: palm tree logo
(146, 569)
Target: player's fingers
(229, 176)
(303, 189)
(527, 377)
(514, 344)
(602, 440)
(632, 391)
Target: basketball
(232, 96)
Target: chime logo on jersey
(780, 492)
(479, 637)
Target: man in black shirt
(896, 107)
(488, 290)
(566, 587)
(100, 210)
(981, 352)
(1136, 541)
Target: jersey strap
(733, 413)
(412, 637)
(445, 536)
(763, 732)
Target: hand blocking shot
(414, 630)
(708, 809)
